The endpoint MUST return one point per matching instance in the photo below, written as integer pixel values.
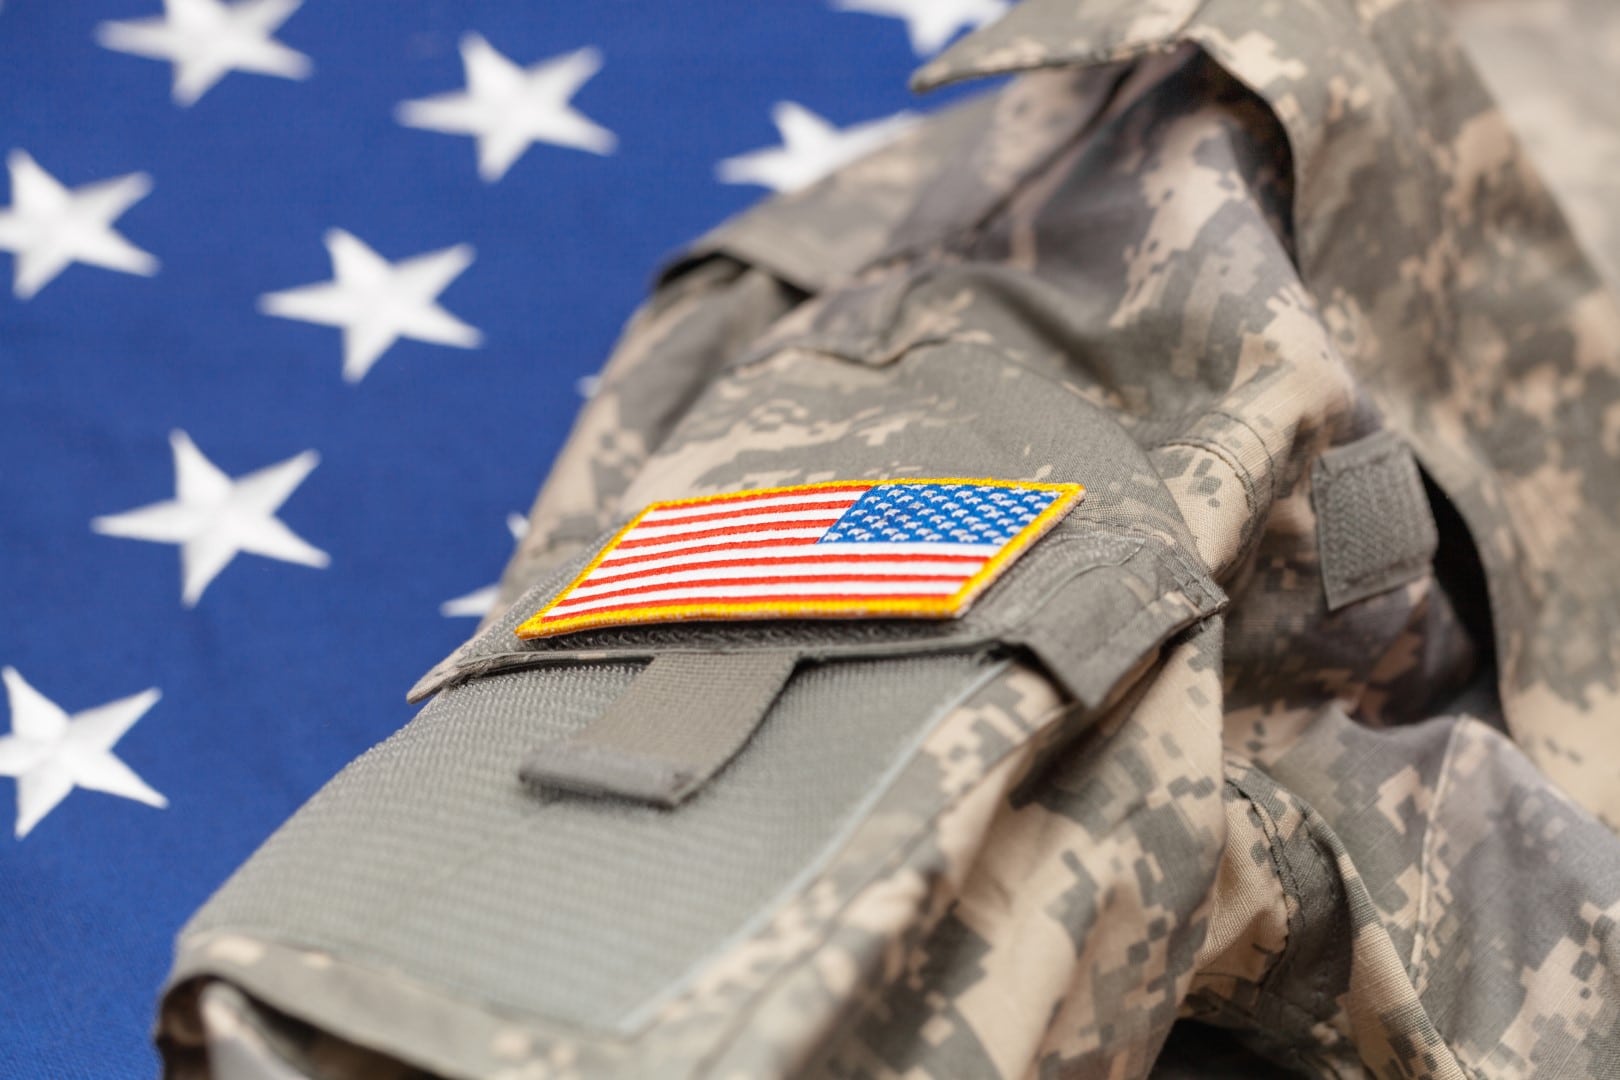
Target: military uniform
(1291, 750)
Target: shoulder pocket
(684, 779)
(679, 781)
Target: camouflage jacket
(1293, 750)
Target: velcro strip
(1374, 527)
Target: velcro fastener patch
(839, 550)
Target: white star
(810, 148)
(206, 39)
(50, 753)
(931, 23)
(213, 517)
(477, 603)
(377, 302)
(49, 226)
(507, 107)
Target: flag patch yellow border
(722, 557)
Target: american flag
(922, 548)
(297, 301)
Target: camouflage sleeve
(1289, 752)
(669, 351)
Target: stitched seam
(1313, 827)
(1324, 1006)
(1418, 972)
(1123, 648)
(1251, 520)
(1289, 885)
(1413, 563)
(366, 965)
(1216, 450)
(1271, 459)
(1251, 525)
(1285, 880)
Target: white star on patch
(478, 603)
(214, 518)
(50, 753)
(507, 107)
(50, 227)
(811, 148)
(377, 302)
(931, 23)
(206, 40)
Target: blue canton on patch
(939, 513)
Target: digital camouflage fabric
(1294, 750)
(1549, 62)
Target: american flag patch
(846, 549)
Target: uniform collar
(1353, 85)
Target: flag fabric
(861, 549)
(297, 301)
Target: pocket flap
(1088, 600)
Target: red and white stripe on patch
(845, 549)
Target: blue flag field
(297, 302)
